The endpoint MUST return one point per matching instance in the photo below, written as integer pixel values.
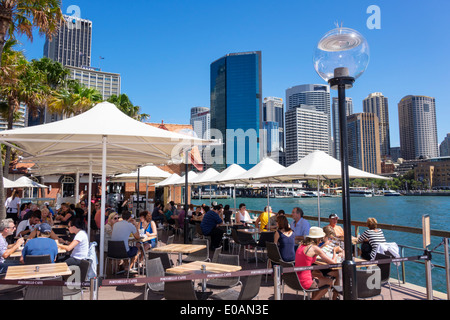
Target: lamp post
(341, 56)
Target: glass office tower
(236, 108)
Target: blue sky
(163, 48)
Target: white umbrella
(8, 183)
(103, 134)
(319, 165)
(25, 182)
(168, 181)
(181, 180)
(204, 176)
(150, 174)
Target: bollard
(94, 289)
(277, 282)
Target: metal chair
(242, 239)
(179, 290)
(117, 252)
(263, 238)
(221, 283)
(164, 256)
(44, 292)
(249, 290)
(11, 291)
(40, 259)
(273, 254)
(201, 255)
(76, 292)
(385, 269)
(216, 254)
(154, 268)
(364, 277)
(291, 280)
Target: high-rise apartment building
(20, 119)
(363, 142)
(444, 147)
(316, 95)
(336, 136)
(418, 129)
(236, 109)
(71, 45)
(306, 131)
(201, 121)
(273, 123)
(378, 104)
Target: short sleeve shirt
(81, 250)
(122, 231)
(302, 227)
(3, 248)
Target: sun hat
(315, 232)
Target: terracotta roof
(171, 126)
(16, 167)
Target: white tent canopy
(262, 172)
(8, 183)
(181, 181)
(204, 176)
(105, 135)
(168, 181)
(148, 174)
(230, 174)
(25, 182)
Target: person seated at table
(373, 237)
(227, 213)
(79, 245)
(24, 208)
(242, 216)
(7, 228)
(273, 224)
(43, 244)
(46, 216)
(121, 232)
(306, 255)
(169, 215)
(263, 218)
(300, 225)
(113, 218)
(150, 231)
(285, 239)
(64, 214)
(158, 214)
(333, 219)
(209, 226)
(26, 226)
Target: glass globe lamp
(342, 48)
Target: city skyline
(181, 39)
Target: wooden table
(180, 249)
(18, 252)
(45, 270)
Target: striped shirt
(375, 237)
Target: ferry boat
(391, 193)
(361, 193)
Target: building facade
(236, 109)
(444, 147)
(71, 45)
(434, 172)
(273, 119)
(336, 136)
(306, 131)
(201, 121)
(378, 104)
(316, 95)
(363, 142)
(418, 128)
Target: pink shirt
(302, 260)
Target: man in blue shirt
(42, 245)
(300, 226)
(209, 226)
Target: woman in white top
(12, 206)
(242, 216)
(80, 244)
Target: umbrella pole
(186, 185)
(136, 216)
(77, 187)
(89, 199)
(318, 201)
(234, 196)
(146, 194)
(103, 203)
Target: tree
(124, 104)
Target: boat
(309, 194)
(391, 193)
(360, 193)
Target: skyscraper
(418, 129)
(316, 95)
(236, 108)
(71, 45)
(378, 104)
(444, 147)
(336, 137)
(201, 121)
(273, 123)
(306, 131)
(363, 142)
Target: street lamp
(342, 56)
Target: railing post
(277, 282)
(447, 267)
(94, 289)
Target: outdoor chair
(44, 292)
(179, 290)
(11, 291)
(41, 259)
(364, 277)
(263, 238)
(201, 255)
(164, 256)
(385, 269)
(242, 239)
(291, 280)
(217, 251)
(154, 268)
(222, 283)
(273, 254)
(117, 252)
(249, 290)
(71, 293)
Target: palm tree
(124, 104)
(22, 16)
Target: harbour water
(403, 211)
